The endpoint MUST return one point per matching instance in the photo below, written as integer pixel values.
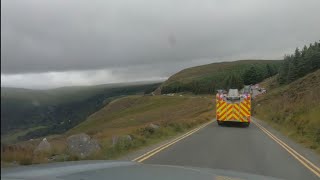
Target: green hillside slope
(57, 110)
(294, 108)
(138, 110)
(208, 78)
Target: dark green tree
(270, 71)
(300, 63)
(297, 53)
(251, 76)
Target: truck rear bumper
(235, 120)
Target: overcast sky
(52, 43)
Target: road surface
(234, 148)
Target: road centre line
(166, 145)
(309, 165)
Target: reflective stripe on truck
(240, 111)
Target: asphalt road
(233, 148)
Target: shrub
(26, 161)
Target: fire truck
(233, 107)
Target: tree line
(300, 63)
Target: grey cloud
(73, 78)
(41, 36)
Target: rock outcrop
(82, 145)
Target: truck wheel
(246, 124)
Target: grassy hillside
(132, 116)
(208, 78)
(294, 108)
(134, 111)
(56, 110)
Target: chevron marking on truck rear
(222, 105)
(233, 111)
